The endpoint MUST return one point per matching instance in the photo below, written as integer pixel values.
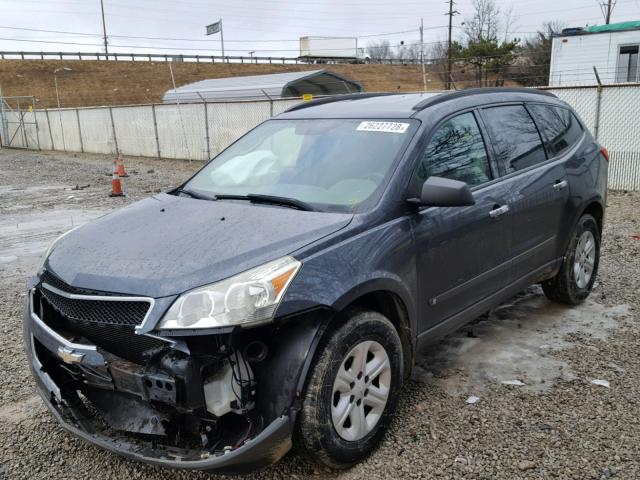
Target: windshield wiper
(193, 194)
(268, 199)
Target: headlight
(245, 299)
(50, 248)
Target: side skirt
(456, 321)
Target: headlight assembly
(248, 298)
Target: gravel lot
(558, 424)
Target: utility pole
(607, 9)
(451, 13)
(424, 75)
(104, 28)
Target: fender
(386, 282)
(281, 376)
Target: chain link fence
(198, 131)
(194, 131)
(612, 113)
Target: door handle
(497, 211)
(560, 184)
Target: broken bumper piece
(132, 409)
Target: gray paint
(165, 244)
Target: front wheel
(576, 277)
(352, 390)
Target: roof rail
(476, 91)
(336, 98)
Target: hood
(165, 245)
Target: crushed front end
(222, 401)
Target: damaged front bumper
(135, 407)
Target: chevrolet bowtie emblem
(69, 356)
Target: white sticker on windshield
(389, 127)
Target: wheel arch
(389, 298)
(594, 207)
(596, 210)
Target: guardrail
(168, 57)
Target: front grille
(112, 312)
(120, 340)
(109, 324)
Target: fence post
(113, 128)
(206, 129)
(155, 129)
(596, 127)
(46, 111)
(21, 125)
(79, 131)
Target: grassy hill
(93, 82)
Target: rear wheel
(576, 277)
(352, 391)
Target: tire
(569, 286)
(326, 396)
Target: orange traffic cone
(121, 171)
(116, 188)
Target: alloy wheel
(360, 390)
(585, 259)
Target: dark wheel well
(595, 210)
(392, 307)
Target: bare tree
(535, 56)
(408, 51)
(508, 21)
(485, 23)
(380, 50)
(437, 55)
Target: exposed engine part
(255, 351)
(231, 388)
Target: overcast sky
(268, 27)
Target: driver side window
(456, 151)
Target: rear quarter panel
(587, 174)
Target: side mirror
(443, 192)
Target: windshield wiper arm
(193, 194)
(268, 199)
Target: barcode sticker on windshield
(389, 127)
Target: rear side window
(558, 126)
(456, 151)
(515, 138)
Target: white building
(612, 49)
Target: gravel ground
(558, 424)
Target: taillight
(605, 153)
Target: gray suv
(279, 295)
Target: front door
(462, 253)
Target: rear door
(537, 182)
(461, 252)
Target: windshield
(330, 164)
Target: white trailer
(329, 49)
(613, 49)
